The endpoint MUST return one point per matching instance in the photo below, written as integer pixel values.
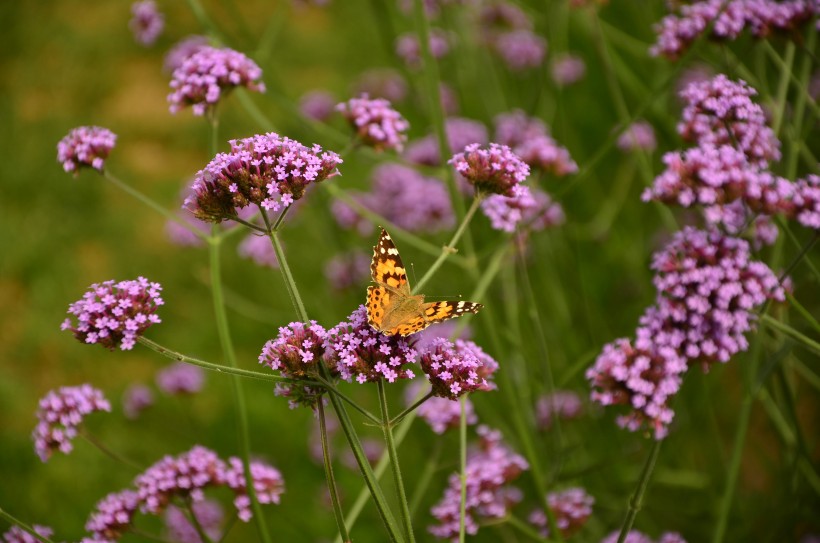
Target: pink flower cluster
(185, 476)
(15, 534)
(408, 47)
(635, 536)
(207, 74)
(115, 314)
(638, 136)
(259, 250)
(318, 105)
(561, 404)
(521, 49)
(530, 139)
(266, 170)
(528, 208)
(209, 514)
(571, 508)
(377, 124)
(490, 470)
(676, 32)
(180, 378)
(460, 133)
(146, 22)
(183, 49)
(443, 414)
(60, 413)
(568, 69)
(382, 83)
(494, 170)
(457, 368)
(136, 399)
(348, 270)
(85, 146)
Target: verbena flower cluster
(676, 32)
(382, 83)
(146, 22)
(15, 534)
(348, 270)
(115, 314)
(560, 404)
(208, 74)
(571, 508)
(259, 250)
(634, 536)
(529, 138)
(455, 369)
(531, 209)
(441, 414)
(265, 170)
(183, 49)
(568, 69)
(181, 378)
(639, 136)
(521, 49)
(136, 399)
(493, 170)
(60, 414)
(209, 514)
(85, 146)
(185, 477)
(377, 124)
(460, 133)
(318, 105)
(490, 470)
(404, 196)
(408, 47)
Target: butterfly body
(392, 308)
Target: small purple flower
(115, 314)
(113, 515)
(185, 237)
(490, 470)
(516, 127)
(409, 48)
(446, 330)
(184, 476)
(568, 69)
(460, 133)
(15, 534)
(258, 249)
(85, 146)
(571, 508)
(265, 170)
(136, 399)
(494, 170)
(561, 404)
(357, 351)
(382, 83)
(639, 136)
(521, 49)
(805, 206)
(209, 73)
(268, 485)
(60, 413)
(209, 514)
(181, 379)
(529, 138)
(634, 536)
(318, 105)
(441, 414)
(348, 270)
(457, 369)
(146, 22)
(183, 49)
(526, 208)
(499, 17)
(377, 124)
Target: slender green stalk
(423, 480)
(213, 120)
(791, 332)
(387, 430)
(398, 418)
(228, 352)
(88, 436)
(331, 479)
(636, 501)
(800, 107)
(812, 378)
(799, 87)
(333, 390)
(202, 16)
(524, 528)
(290, 283)
(783, 87)
(462, 462)
(23, 526)
(254, 112)
(450, 248)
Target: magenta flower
(348, 270)
(639, 136)
(136, 399)
(259, 250)
(516, 127)
(526, 208)
(571, 508)
(460, 133)
(15, 534)
(635, 536)
(441, 414)
(264, 170)
(146, 22)
(382, 83)
(521, 49)
(805, 206)
(457, 369)
(408, 47)
(499, 17)
(268, 485)
(317, 105)
(494, 170)
(377, 124)
(115, 314)
(357, 351)
(209, 514)
(60, 414)
(184, 476)
(490, 470)
(183, 49)
(568, 69)
(561, 404)
(85, 146)
(181, 379)
(209, 73)
(184, 237)
(529, 138)
(113, 515)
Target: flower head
(347, 270)
(136, 399)
(183, 49)
(180, 378)
(532, 209)
(15, 534)
(460, 133)
(317, 105)
(356, 350)
(258, 249)
(806, 202)
(457, 368)
(376, 123)
(113, 515)
(268, 485)
(209, 514)
(529, 138)
(634, 536)
(568, 69)
(382, 83)
(493, 170)
(206, 75)
(115, 314)
(60, 414)
(146, 22)
(409, 48)
(266, 170)
(638, 136)
(571, 508)
(85, 146)
(521, 49)
(561, 404)
(184, 476)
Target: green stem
(228, 352)
(462, 461)
(85, 434)
(205, 21)
(524, 528)
(799, 108)
(213, 121)
(450, 248)
(799, 86)
(636, 501)
(783, 87)
(398, 418)
(333, 390)
(23, 526)
(387, 430)
(331, 479)
(803, 311)
(791, 332)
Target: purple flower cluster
(347, 270)
(490, 470)
(85, 146)
(408, 47)
(146, 22)
(115, 314)
(529, 138)
(209, 514)
(377, 124)
(806, 202)
(183, 49)
(60, 413)
(521, 49)
(441, 414)
(268, 485)
(356, 350)
(495, 170)
(136, 399)
(639, 136)
(296, 353)
(113, 515)
(561, 404)
(568, 69)
(180, 379)
(405, 197)
(676, 32)
(571, 508)
(635, 536)
(382, 83)
(18, 535)
(208, 73)
(266, 170)
(500, 17)
(258, 249)
(318, 105)
(457, 368)
(460, 133)
(531, 209)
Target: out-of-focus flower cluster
(60, 414)
(15, 534)
(638, 136)
(508, 31)
(181, 378)
(85, 146)
(146, 22)
(634, 536)
(441, 414)
(571, 508)
(460, 133)
(209, 515)
(115, 314)
(560, 404)
(408, 47)
(530, 209)
(348, 270)
(183, 49)
(530, 139)
(377, 124)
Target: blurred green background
(72, 63)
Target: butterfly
(392, 308)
